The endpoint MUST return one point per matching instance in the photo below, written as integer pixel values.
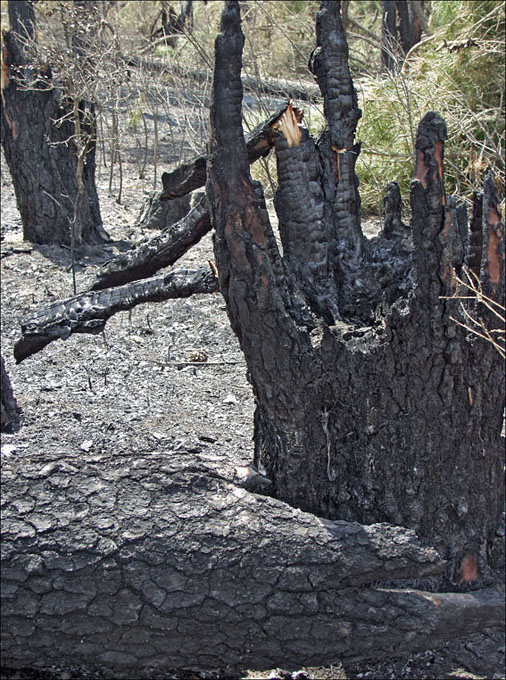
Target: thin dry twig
(476, 325)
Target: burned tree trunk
(401, 29)
(37, 138)
(167, 563)
(373, 404)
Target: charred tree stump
(41, 159)
(10, 411)
(89, 312)
(169, 564)
(158, 214)
(372, 403)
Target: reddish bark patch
(495, 238)
(421, 169)
(438, 154)
(468, 569)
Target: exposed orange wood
(338, 153)
(495, 245)
(288, 125)
(438, 153)
(421, 169)
(468, 568)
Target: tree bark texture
(167, 563)
(10, 411)
(39, 151)
(89, 312)
(158, 214)
(372, 403)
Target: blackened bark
(378, 414)
(409, 25)
(337, 148)
(389, 44)
(10, 413)
(21, 22)
(192, 175)
(169, 564)
(393, 225)
(401, 29)
(473, 258)
(41, 159)
(89, 312)
(160, 251)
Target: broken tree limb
(192, 175)
(160, 251)
(168, 563)
(89, 312)
(167, 247)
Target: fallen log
(164, 561)
(88, 312)
(192, 175)
(161, 251)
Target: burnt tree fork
(372, 404)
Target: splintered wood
(288, 125)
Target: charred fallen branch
(160, 251)
(89, 312)
(170, 564)
(192, 175)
